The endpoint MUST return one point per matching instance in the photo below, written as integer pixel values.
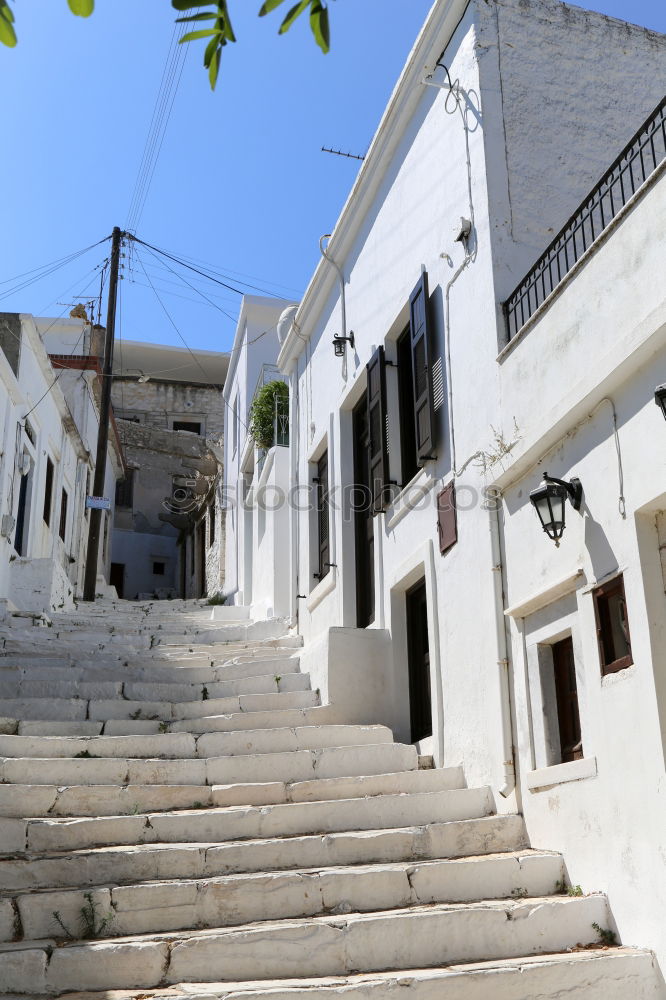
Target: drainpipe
(503, 661)
(343, 304)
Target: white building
(440, 607)
(257, 528)
(50, 406)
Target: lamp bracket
(574, 489)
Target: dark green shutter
(377, 437)
(420, 334)
(323, 535)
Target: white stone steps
(433, 935)
(233, 900)
(19, 800)
(293, 765)
(153, 691)
(615, 974)
(146, 862)
(245, 823)
(181, 745)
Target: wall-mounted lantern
(549, 500)
(660, 398)
(339, 343)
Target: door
(418, 661)
(21, 533)
(117, 578)
(364, 530)
(566, 692)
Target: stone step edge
(404, 978)
(337, 920)
(371, 866)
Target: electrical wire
(171, 320)
(220, 271)
(194, 289)
(162, 109)
(44, 272)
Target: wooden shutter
(419, 323)
(447, 522)
(323, 517)
(377, 437)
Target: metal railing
(640, 158)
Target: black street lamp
(660, 397)
(339, 343)
(549, 499)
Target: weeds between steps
(90, 924)
(606, 935)
(139, 715)
(562, 889)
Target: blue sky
(240, 183)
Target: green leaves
(83, 8)
(318, 19)
(219, 34)
(7, 33)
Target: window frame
(602, 594)
(563, 692)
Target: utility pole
(90, 579)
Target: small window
(409, 465)
(158, 568)
(62, 530)
(566, 695)
(48, 491)
(211, 524)
(192, 426)
(323, 538)
(125, 490)
(447, 524)
(610, 609)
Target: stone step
(149, 862)
(62, 709)
(604, 974)
(232, 900)
(20, 800)
(144, 671)
(93, 689)
(295, 765)
(234, 721)
(249, 822)
(434, 935)
(181, 745)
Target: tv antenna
(339, 152)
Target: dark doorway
(566, 693)
(21, 535)
(117, 578)
(364, 529)
(418, 662)
(201, 544)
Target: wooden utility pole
(90, 579)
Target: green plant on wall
(269, 408)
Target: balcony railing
(640, 158)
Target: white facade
(539, 100)
(257, 564)
(50, 420)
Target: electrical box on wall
(447, 521)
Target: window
(48, 491)
(447, 524)
(566, 696)
(125, 490)
(420, 336)
(323, 539)
(62, 530)
(408, 461)
(187, 425)
(158, 568)
(234, 426)
(610, 608)
(211, 524)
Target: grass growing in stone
(606, 935)
(91, 924)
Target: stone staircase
(180, 817)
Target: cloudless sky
(240, 183)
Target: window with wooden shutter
(62, 530)
(447, 522)
(323, 535)
(419, 323)
(377, 425)
(566, 694)
(48, 491)
(610, 608)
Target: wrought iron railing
(640, 158)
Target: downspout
(503, 660)
(343, 301)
